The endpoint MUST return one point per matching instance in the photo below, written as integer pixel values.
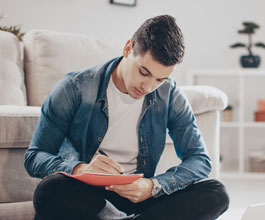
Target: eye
(143, 74)
(160, 80)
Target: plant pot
(260, 116)
(250, 61)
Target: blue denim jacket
(76, 113)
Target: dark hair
(162, 37)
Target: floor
(243, 192)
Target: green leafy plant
(15, 29)
(249, 28)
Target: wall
(209, 26)
(1, 7)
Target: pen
(103, 153)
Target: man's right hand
(99, 164)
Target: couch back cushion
(12, 86)
(49, 55)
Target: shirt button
(99, 139)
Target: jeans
(58, 197)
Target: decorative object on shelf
(228, 114)
(260, 113)
(124, 2)
(13, 29)
(249, 60)
(257, 161)
(242, 136)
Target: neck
(117, 78)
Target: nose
(147, 86)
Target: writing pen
(103, 153)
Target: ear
(127, 48)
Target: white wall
(1, 7)
(209, 26)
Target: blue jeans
(58, 197)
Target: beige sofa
(25, 81)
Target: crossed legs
(58, 197)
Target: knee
(219, 196)
(49, 186)
(48, 193)
(61, 197)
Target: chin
(134, 96)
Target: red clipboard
(101, 179)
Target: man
(123, 108)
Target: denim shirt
(76, 113)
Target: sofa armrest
(205, 98)
(17, 125)
(209, 125)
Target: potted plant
(249, 60)
(13, 29)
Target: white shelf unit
(241, 137)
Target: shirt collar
(106, 77)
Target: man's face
(142, 74)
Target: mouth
(138, 92)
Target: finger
(111, 162)
(121, 193)
(128, 196)
(105, 168)
(131, 197)
(134, 196)
(98, 166)
(125, 187)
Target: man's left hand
(137, 191)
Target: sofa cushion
(17, 211)
(49, 55)
(205, 98)
(12, 86)
(17, 125)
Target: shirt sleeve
(189, 146)
(57, 112)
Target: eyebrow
(147, 70)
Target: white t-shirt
(121, 140)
